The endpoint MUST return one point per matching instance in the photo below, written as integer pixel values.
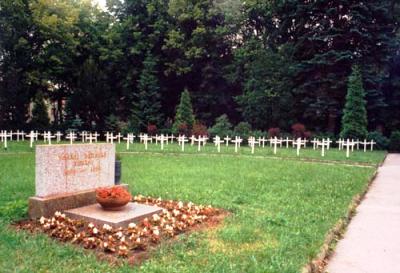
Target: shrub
(298, 130)
(151, 129)
(258, 133)
(307, 134)
(183, 129)
(199, 129)
(394, 145)
(382, 142)
(321, 135)
(274, 132)
(243, 129)
(222, 126)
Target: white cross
(5, 136)
(372, 144)
(298, 145)
(171, 137)
(129, 139)
(287, 140)
(119, 138)
(340, 143)
(18, 134)
(237, 142)
(95, 135)
(71, 136)
(163, 139)
(275, 141)
(357, 142)
(252, 141)
(262, 140)
(348, 144)
(58, 135)
(328, 141)
(181, 141)
(324, 143)
(217, 142)
(31, 137)
(199, 142)
(90, 137)
(227, 138)
(204, 140)
(192, 140)
(146, 138)
(314, 142)
(47, 136)
(83, 134)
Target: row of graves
(200, 141)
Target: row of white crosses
(357, 143)
(4, 135)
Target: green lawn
(281, 211)
(374, 157)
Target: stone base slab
(131, 213)
(47, 206)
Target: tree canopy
(267, 63)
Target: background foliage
(270, 63)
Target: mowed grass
(333, 154)
(280, 210)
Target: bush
(325, 135)
(199, 129)
(394, 145)
(258, 133)
(382, 142)
(307, 134)
(274, 132)
(298, 130)
(243, 129)
(222, 127)
(151, 129)
(183, 129)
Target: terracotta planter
(114, 198)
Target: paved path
(371, 243)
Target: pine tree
(184, 112)
(147, 104)
(354, 120)
(40, 118)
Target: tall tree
(18, 79)
(354, 120)
(147, 105)
(40, 116)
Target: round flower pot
(114, 198)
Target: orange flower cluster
(176, 217)
(117, 192)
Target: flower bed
(135, 240)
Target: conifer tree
(354, 120)
(40, 118)
(147, 104)
(184, 112)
